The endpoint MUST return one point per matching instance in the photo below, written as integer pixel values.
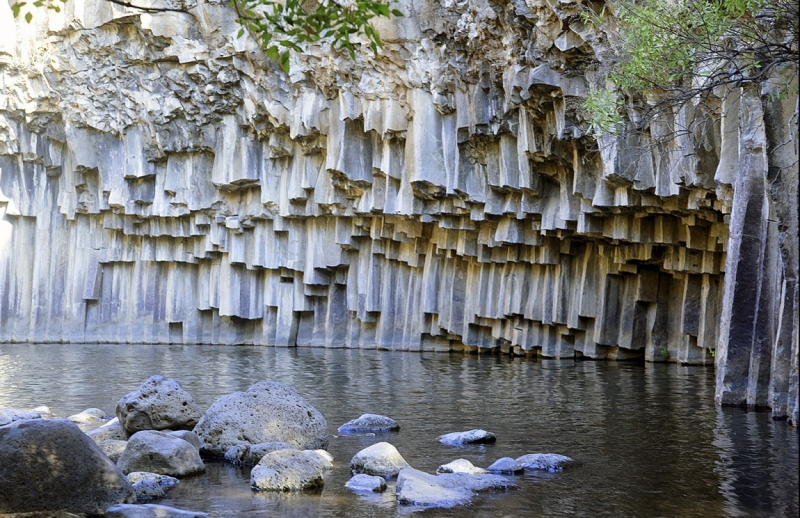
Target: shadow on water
(648, 437)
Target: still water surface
(648, 437)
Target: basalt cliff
(162, 182)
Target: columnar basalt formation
(161, 182)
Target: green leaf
(28, 17)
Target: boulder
(250, 454)
(150, 511)
(545, 461)
(381, 459)
(370, 423)
(89, 416)
(447, 490)
(158, 404)
(325, 459)
(468, 437)
(5, 417)
(113, 448)
(112, 430)
(288, 470)
(460, 466)
(50, 465)
(267, 412)
(187, 436)
(162, 453)
(367, 483)
(149, 486)
(506, 466)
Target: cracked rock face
(170, 185)
(158, 404)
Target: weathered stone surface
(476, 436)
(370, 423)
(368, 483)
(113, 448)
(188, 436)
(381, 459)
(446, 490)
(158, 404)
(150, 511)
(460, 466)
(50, 465)
(112, 430)
(9, 415)
(149, 486)
(545, 461)
(288, 470)
(185, 190)
(245, 453)
(266, 412)
(161, 453)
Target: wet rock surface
(415, 487)
(381, 459)
(370, 423)
(288, 470)
(545, 461)
(150, 511)
(469, 437)
(366, 483)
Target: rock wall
(161, 182)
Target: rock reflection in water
(648, 439)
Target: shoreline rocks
(158, 404)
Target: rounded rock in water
(161, 453)
(363, 482)
(267, 412)
(545, 461)
(381, 459)
(288, 470)
(370, 423)
(158, 404)
(460, 466)
(469, 437)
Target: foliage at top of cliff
(281, 26)
(671, 52)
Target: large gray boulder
(267, 412)
(158, 404)
(447, 490)
(381, 459)
(288, 470)
(150, 511)
(162, 453)
(48, 465)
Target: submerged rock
(447, 490)
(545, 461)
(267, 412)
(158, 404)
(380, 459)
(250, 454)
(150, 511)
(460, 466)
(49, 465)
(363, 482)
(288, 470)
(505, 466)
(149, 486)
(159, 452)
(468, 437)
(370, 423)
